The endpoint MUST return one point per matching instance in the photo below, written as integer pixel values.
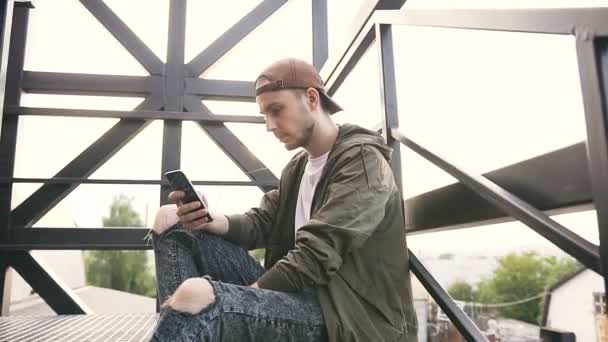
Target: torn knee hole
(192, 296)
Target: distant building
(574, 304)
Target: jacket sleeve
(354, 207)
(251, 230)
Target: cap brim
(332, 106)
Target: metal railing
(590, 28)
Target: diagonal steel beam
(241, 91)
(463, 323)
(136, 47)
(555, 182)
(235, 34)
(568, 241)
(336, 62)
(362, 43)
(45, 198)
(50, 288)
(89, 84)
(234, 148)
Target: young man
(336, 265)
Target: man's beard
(306, 137)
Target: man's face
(287, 117)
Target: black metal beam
(558, 21)
(571, 243)
(233, 36)
(555, 181)
(89, 84)
(388, 97)
(548, 334)
(352, 56)
(139, 114)
(14, 36)
(360, 39)
(58, 296)
(46, 197)
(221, 90)
(593, 70)
(6, 21)
(125, 36)
(234, 148)
(72, 180)
(5, 285)
(550, 21)
(77, 238)
(173, 92)
(463, 323)
(8, 133)
(320, 44)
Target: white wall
(571, 307)
(421, 307)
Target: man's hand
(192, 216)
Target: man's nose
(270, 125)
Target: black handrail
(463, 323)
(581, 249)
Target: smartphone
(178, 181)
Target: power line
(500, 305)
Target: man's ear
(313, 99)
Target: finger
(200, 224)
(185, 209)
(193, 216)
(196, 223)
(176, 196)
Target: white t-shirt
(310, 179)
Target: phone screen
(179, 181)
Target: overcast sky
(482, 99)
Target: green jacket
(353, 249)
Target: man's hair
(323, 100)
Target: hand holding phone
(178, 181)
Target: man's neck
(323, 138)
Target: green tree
(120, 270)
(522, 276)
(461, 290)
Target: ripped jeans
(239, 313)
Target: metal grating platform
(78, 328)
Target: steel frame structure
(572, 178)
(590, 28)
